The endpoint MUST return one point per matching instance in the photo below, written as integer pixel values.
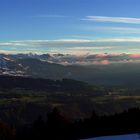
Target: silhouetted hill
(12, 82)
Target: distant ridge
(12, 82)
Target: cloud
(105, 62)
(90, 48)
(66, 41)
(94, 40)
(113, 19)
(50, 16)
(12, 44)
(24, 43)
(74, 46)
(113, 29)
(96, 59)
(134, 55)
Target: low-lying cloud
(73, 46)
(94, 59)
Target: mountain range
(48, 67)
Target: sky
(69, 26)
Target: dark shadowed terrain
(39, 98)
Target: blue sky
(23, 20)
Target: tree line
(56, 127)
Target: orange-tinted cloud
(105, 62)
(134, 55)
